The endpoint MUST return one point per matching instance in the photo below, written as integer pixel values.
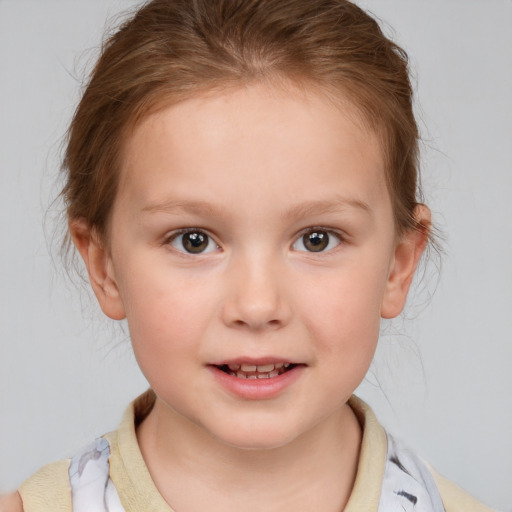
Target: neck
(192, 470)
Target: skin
(254, 169)
(11, 503)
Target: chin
(256, 437)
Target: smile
(260, 379)
(252, 371)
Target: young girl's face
(253, 251)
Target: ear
(99, 266)
(407, 254)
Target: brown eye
(193, 242)
(317, 240)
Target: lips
(256, 379)
(255, 371)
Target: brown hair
(172, 49)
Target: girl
(242, 187)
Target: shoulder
(444, 494)
(11, 503)
(455, 499)
(387, 468)
(47, 490)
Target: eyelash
(299, 239)
(177, 235)
(329, 232)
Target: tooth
(248, 367)
(234, 367)
(263, 376)
(275, 373)
(286, 365)
(241, 375)
(252, 377)
(264, 368)
(232, 373)
(279, 365)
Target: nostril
(257, 325)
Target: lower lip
(257, 389)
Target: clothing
(389, 477)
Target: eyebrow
(305, 209)
(334, 205)
(172, 206)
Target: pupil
(316, 241)
(195, 242)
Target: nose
(255, 297)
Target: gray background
(442, 377)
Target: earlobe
(407, 255)
(99, 267)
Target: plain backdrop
(442, 379)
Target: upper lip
(255, 361)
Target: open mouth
(251, 371)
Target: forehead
(257, 141)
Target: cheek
(165, 310)
(344, 304)
(342, 315)
(166, 327)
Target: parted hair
(170, 50)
